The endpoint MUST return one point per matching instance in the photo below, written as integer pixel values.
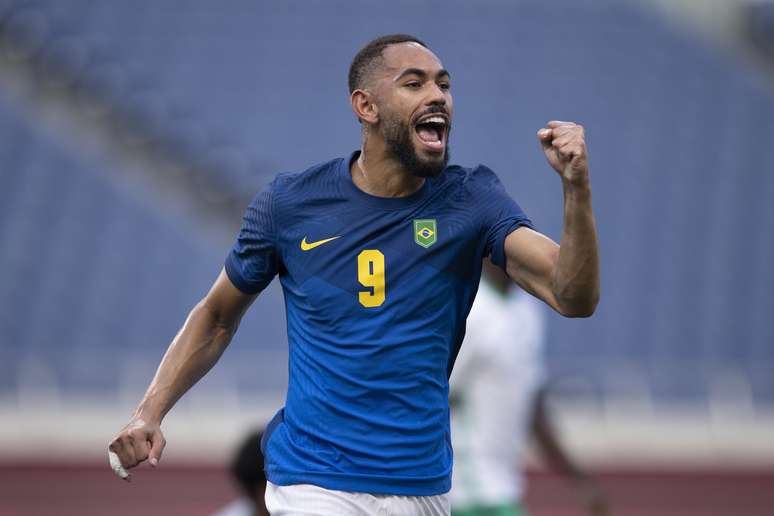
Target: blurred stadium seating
(98, 271)
(85, 267)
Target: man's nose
(437, 96)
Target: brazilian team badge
(425, 233)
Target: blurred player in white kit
(497, 398)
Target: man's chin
(416, 159)
(431, 164)
(429, 168)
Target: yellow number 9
(370, 273)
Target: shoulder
(484, 177)
(476, 186)
(290, 188)
(312, 177)
(476, 178)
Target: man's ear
(364, 107)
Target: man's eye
(445, 86)
(413, 84)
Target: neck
(379, 174)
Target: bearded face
(408, 106)
(400, 136)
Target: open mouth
(431, 131)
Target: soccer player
(498, 400)
(379, 256)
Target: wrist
(580, 182)
(576, 189)
(148, 413)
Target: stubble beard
(397, 136)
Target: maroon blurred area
(93, 490)
(171, 490)
(661, 493)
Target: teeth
(434, 120)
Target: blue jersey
(376, 294)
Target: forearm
(575, 283)
(193, 352)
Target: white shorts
(310, 500)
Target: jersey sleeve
(253, 260)
(502, 215)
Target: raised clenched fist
(136, 442)
(565, 149)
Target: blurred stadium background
(133, 134)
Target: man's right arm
(195, 349)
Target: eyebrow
(421, 73)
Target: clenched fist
(565, 149)
(138, 441)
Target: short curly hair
(368, 57)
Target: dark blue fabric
(367, 406)
(252, 263)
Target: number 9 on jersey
(370, 273)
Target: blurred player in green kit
(498, 401)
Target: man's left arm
(565, 276)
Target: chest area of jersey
(372, 260)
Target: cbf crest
(425, 232)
